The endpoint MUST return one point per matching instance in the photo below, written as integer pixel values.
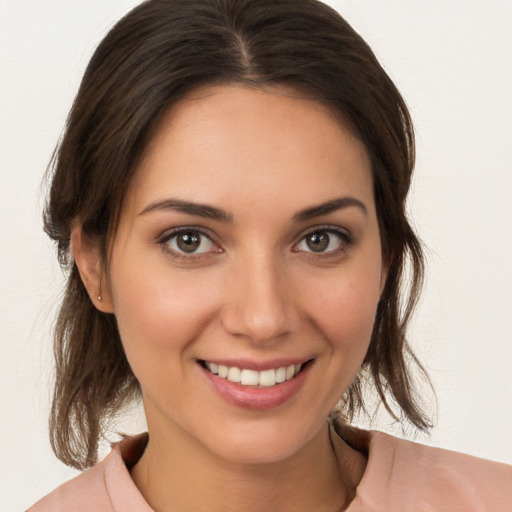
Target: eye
(188, 241)
(324, 241)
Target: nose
(259, 305)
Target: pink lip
(257, 398)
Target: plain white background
(451, 61)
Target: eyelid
(343, 233)
(165, 237)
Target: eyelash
(164, 240)
(346, 240)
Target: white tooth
(267, 378)
(223, 371)
(213, 367)
(249, 378)
(290, 372)
(234, 374)
(281, 374)
(297, 368)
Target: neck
(182, 476)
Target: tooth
(246, 377)
(213, 367)
(267, 378)
(281, 374)
(234, 374)
(223, 371)
(249, 378)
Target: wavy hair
(156, 54)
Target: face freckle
(254, 181)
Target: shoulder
(408, 476)
(107, 487)
(445, 479)
(82, 492)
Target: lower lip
(257, 398)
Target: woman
(229, 201)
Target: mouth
(255, 379)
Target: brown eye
(324, 241)
(190, 242)
(318, 242)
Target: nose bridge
(259, 305)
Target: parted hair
(156, 54)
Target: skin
(256, 291)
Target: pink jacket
(401, 476)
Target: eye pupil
(188, 242)
(318, 242)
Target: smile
(246, 377)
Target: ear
(386, 264)
(87, 258)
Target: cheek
(352, 310)
(160, 315)
(341, 313)
(344, 307)
(159, 312)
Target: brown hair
(156, 54)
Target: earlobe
(88, 260)
(383, 276)
(386, 264)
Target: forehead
(232, 141)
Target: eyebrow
(201, 210)
(211, 212)
(329, 207)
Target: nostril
(258, 328)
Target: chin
(261, 443)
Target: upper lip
(259, 366)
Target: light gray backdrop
(451, 60)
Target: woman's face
(248, 246)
